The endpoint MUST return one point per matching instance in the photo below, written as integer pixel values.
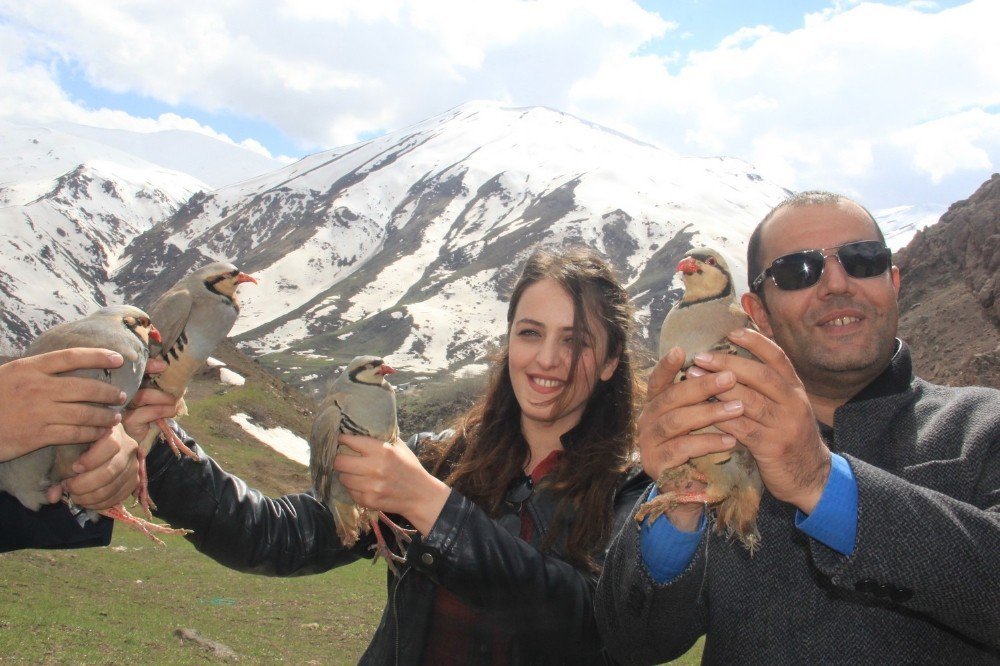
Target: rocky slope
(950, 292)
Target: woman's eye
(528, 333)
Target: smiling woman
(513, 510)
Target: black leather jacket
(545, 603)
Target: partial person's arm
(240, 527)
(923, 550)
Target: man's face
(840, 332)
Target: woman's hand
(388, 477)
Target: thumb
(54, 494)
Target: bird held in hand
(193, 317)
(728, 482)
(360, 402)
(120, 328)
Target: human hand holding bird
(390, 478)
(122, 329)
(724, 475)
(107, 473)
(360, 402)
(776, 423)
(40, 405)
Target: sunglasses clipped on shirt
(798, 270)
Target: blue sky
(892, 102)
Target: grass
(124, 602)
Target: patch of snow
(227, 376)
(282, 440)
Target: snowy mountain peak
(407, 245)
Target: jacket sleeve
(52, 526)
(924, 551)
(642, 621)
(238, 526)
(547, 602)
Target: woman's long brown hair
(488, 450)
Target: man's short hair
(755, 261)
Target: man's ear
(754, 306)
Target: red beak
(154, 334)
(243, 277)
(688, 265)
(386, 370)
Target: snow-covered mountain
(68, 207)
(72, 197)
(214, 162)
(407, 245)
(901, 223)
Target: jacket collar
(896, 378)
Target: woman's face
(541, 351)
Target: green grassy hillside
(125, 602)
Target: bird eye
(710, 261)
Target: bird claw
(175, 443)
(121, 514)
(381, 547)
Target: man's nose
(834, 279)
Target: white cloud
(962, 141)
(858, 91)
(861, 90)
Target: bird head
(222, 278)
(705, 274)
(135, 320)
(368, 370)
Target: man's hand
(672, 412)
(777, 423)
(107, 473)
(39, 408)
(149, 404)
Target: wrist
(807, 499)
(425, 512)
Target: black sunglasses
(798, 270)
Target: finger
(78, 358)
(100, 453)
(765, 349)
(155, 365)
(684, 420)
(152, 396)
(75, 389)
(81, 414)
(137, 421)
(57, 435)
(760, 377)
(664, 372)
(54, 494)
(363, 445)
(684, 448)
(354, 465)
(108, 491)
(692, 391)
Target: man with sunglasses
(880, 527)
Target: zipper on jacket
(395, 611)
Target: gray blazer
(923, 583)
